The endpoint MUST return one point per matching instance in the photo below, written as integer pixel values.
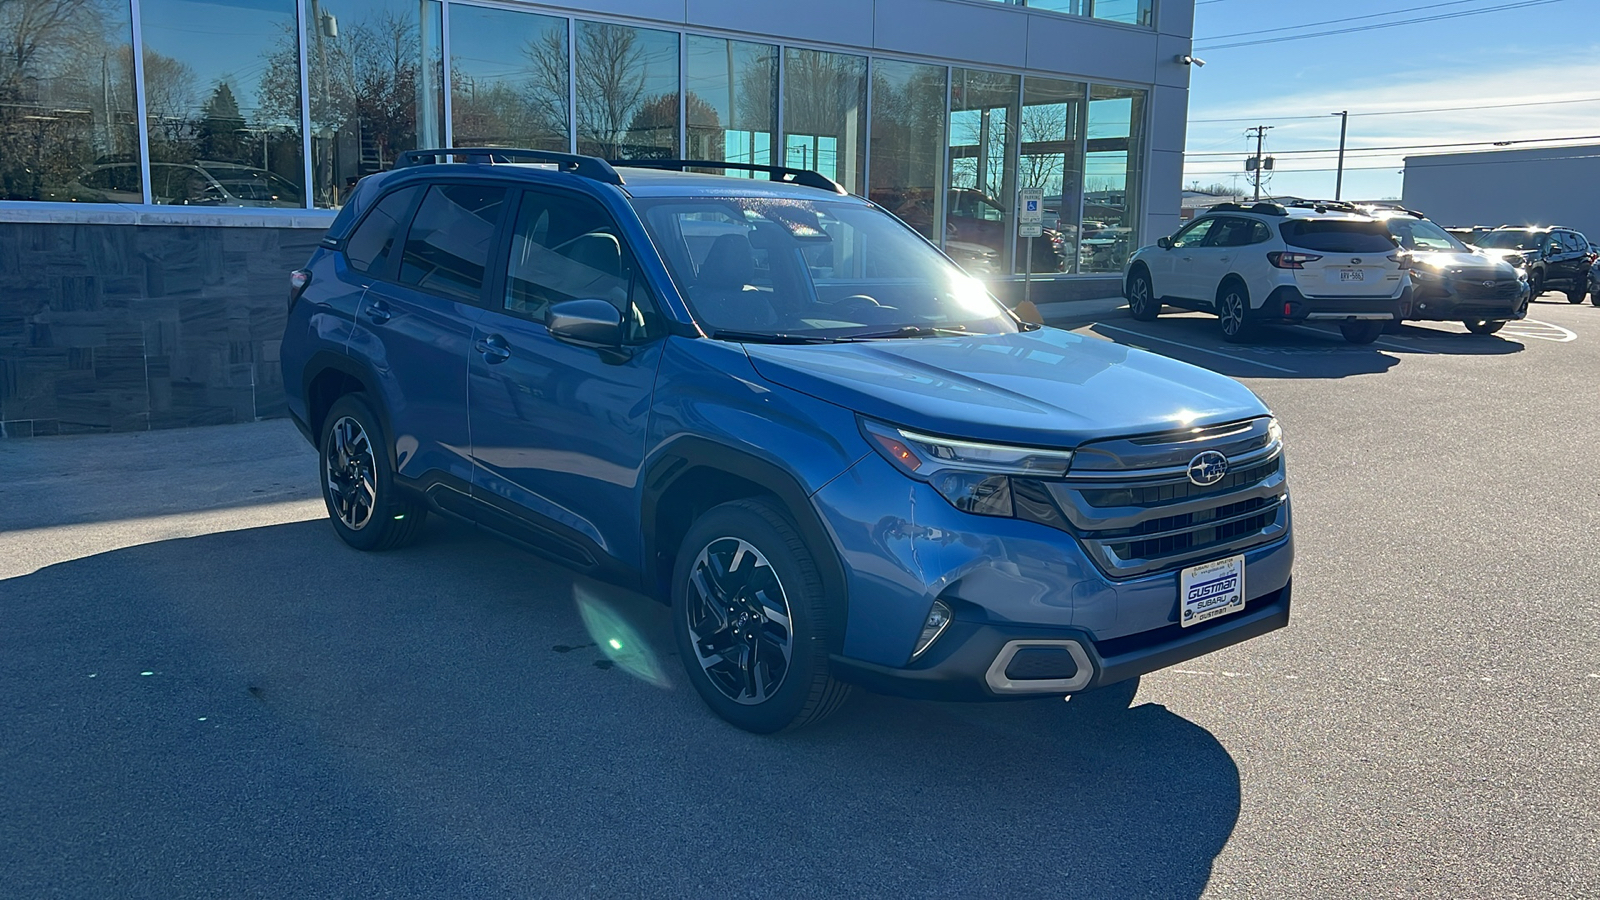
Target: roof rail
(783, 174)
(592, 167)
(1262, 208)
(1325, 205)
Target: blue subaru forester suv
(779, 409)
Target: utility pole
(1260, 132)
(1338, 184)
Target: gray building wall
(107, 327)
(1550, 186)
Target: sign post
(1030, 224)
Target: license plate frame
(1211, 589)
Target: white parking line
(1531, 328)
(1390, 344)
(1140, 334)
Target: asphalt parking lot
(207, 694)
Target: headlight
(974, 477)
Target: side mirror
(1164, 243)
(587, 323)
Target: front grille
(1475, 290)
(1141, 518)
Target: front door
(1178, 277)
(558, 431)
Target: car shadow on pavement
(1291, 351)
(266, 712)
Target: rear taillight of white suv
(298, 279)
(1288, 259)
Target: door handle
(379, 312)
(1188, 259)
(494, 349)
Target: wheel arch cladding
(692, 475)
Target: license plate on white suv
(1210, 590)
(1352, 275)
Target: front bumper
(1287, 306)
(1445, 300)
(968, 662)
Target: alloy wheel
(1232, 313)
(739, 621)
(351, 474)
(1139, 296)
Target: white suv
(1272, 264)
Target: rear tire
(750, 618)
(367, 511)
(1233, 312)
(1362, 332)
(1142, 304)
(1485, 326)
(1575, 295)
(1535, 285)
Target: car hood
(1048, 387)
(1482, 264)
(1503, 252)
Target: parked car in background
(1273, 264)
(1452, 283)
(776, 408)
(1594, 282)
(203, 183)
(1556, 258)
(1469, 234)
(974, 223)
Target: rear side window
(1337, 235)
(369, 247)
(451, 237)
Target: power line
(1409, 112)
(1576, 137)
(1392, 12)
(1189, 173)
(1360, 28)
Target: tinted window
(1510, 240)
(1260, 233)
(1194, 234)
(568, 248)
(368, 248)
(1231, 232)
(1420, 234)
(448, 246)
(1575, 242)
(1337, 235)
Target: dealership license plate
(1352, 275)
(1211, 589)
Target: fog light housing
(938, 620)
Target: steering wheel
(857, 302)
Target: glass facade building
(257, 106)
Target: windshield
(1422, 235)
(1510, 240)
(819, 269)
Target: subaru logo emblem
(1356, 261)
(1488, 284)
(1208, 468)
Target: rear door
(1214, 258)
(1352, 257)
(558, 430)
(415, 329)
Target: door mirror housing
(1164, 243)
(587, 323)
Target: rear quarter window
(1337, 236)
(370, 247)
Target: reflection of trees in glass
(908, 111)
(825, 99)
(732, 105)
(618, 116)
(66, 95)
(525, 109)
(367, 74)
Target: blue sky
(1544, 51)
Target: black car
(1451, 282)
(1556, 258)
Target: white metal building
(1540, 186)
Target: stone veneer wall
(111, 327)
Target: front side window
(1420, 234)
(822, 269)
(568, 248)
(451, 237)
(369, 247)
(1193, 234)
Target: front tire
(1233, 312)
(1485, 326)
(367, 511)
(1575, 295)
(1142, 304)
(750, 618)
(1535, 285)
(1362, 332)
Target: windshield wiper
(909, 331)
(762, 337)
